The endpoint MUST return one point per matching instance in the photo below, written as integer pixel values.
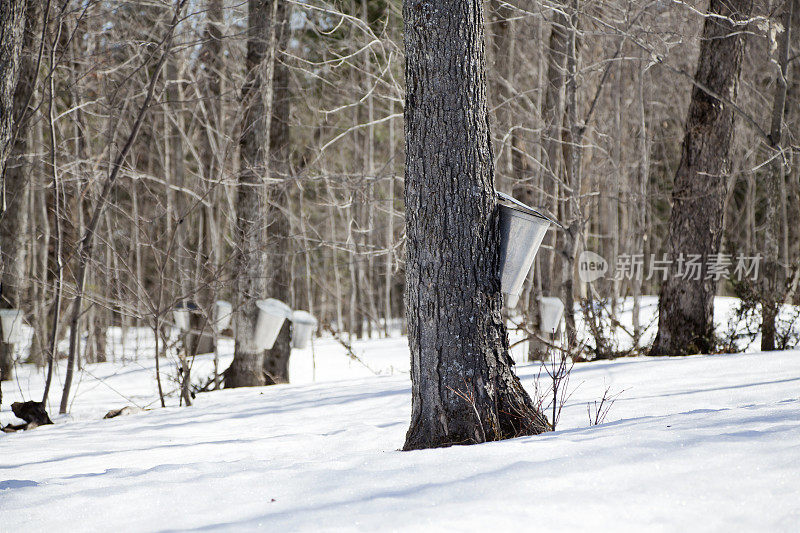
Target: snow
(700, 443)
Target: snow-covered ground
(701, 443)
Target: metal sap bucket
(271, 315)
(180, 315)
(303, 326)
(551, 310)
(11, 321)
(522, 229)
(224, 312)
(511, 300)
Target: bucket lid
(507, 200)
(274, 307)
(224, 304)
(304, 317)
(13, 313)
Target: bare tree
(250, 266)
(686, 306)
(87, 240)
(276, 361)
(773, 290)
(14, 218)
(464, 390)
(12, 22)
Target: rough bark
(250, 265)
(14, 218)
(772, 287)
(686, 311)
(276, 362)
(12, 22)
(463, 388)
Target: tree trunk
(774, 272)
(12, 23)
(571, 151)
(213, 163)
(641, 210)
(551, 136)
(686, 306)
(86, 246)
(250, 264)
(276, 362)
(463, 388)
(14, 218)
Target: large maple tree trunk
(464, 389)
(246, 369)
(686, 306)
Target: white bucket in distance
(271, 315)
(224, 312)
(11, 323)
(522, 229)
(551, 310)
(180, 315)
(303, 326)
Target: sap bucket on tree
(224, 312)
(303, 326)
(11, 324)
(271, 315)
(522, 229)
(551, 310)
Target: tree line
(338, 155)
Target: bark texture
(464, 389)
(276, 362)
(774, 277)
(686, 313)
(12, 191)
(246, 369)
(12, 21)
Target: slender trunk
(551, 134)
(571, 152)
(389, 263)
(337, 277)
(250, 264)
(775, 272)
(641, 208)
(52, 351)
(276, 361)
